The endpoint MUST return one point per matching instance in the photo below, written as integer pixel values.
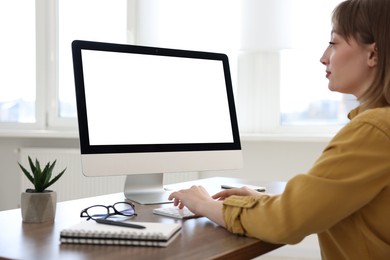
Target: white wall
(275, 160)
(263, 160)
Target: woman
(345, 197)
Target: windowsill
(245, 137)
(285, 137)
(66, 134)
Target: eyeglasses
(101, 211)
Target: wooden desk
(200, 238)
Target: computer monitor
(144, 111)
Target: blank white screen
(149, 99)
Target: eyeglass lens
(99, 211)
(124, 208)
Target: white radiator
(73, 184)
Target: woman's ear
(373, 55)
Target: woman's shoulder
(376, 113)
(378, 117)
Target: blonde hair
(368, 21)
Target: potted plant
(39, 204)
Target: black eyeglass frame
(84, 212)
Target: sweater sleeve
(352, 170)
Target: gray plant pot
(38, 207)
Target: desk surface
(200, 238)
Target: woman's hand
(243, 191)
(192, 198)
(198, 200)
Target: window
(93, 20)
(17, 63)
(37, 85)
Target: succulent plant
(41, 179)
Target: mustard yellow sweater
(344, 198)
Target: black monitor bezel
(86, 148)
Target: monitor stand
(146, 189)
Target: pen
(118, 223)
(227, 187)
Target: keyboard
(174, 212)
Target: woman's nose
(324, 58)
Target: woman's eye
(332, 43)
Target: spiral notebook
(90, 232)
